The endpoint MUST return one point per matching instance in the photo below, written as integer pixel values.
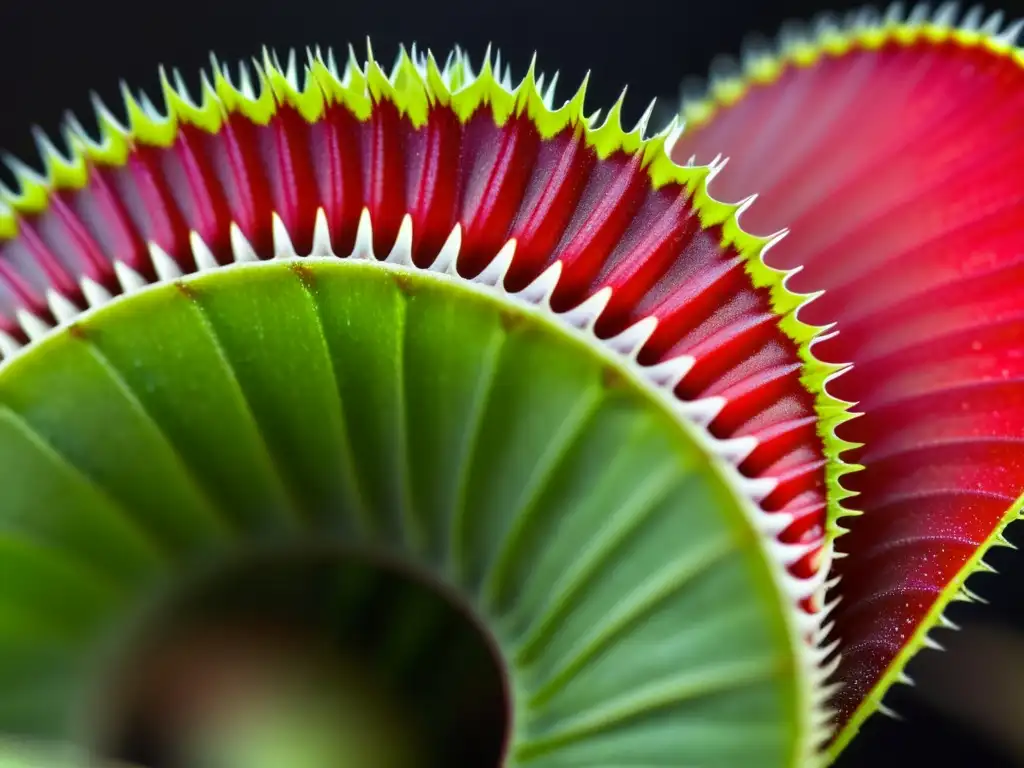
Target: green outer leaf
(638, 607)
(29, 755)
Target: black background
(52, 54)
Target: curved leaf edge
(803, 45)
(800, 44)
(415, 84)
(808, 657)
(955, 591)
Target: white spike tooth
(945, 623)
(888, 711)
(61, 306)
(641, 125)
(945, 14)
(586, 315)
(245, 82)
(105, 115)
(149, 108)
(94, 293)
(824, 630)
(820, 737)
(918, 14)
(755, 48)
(826, 332)
(363, 248)
(824, 725)
(766, 522)
(702, 411)
(929, 642)
(130, 280)
(22, 171)
(895, 13)
(47, 150)
(736, 450)
(791, 553)
(76, 131)
(972, 19)
(745, 204)
(494, 273)
(166, 268)
(984, 567)
(630, 341)
(241, 249)
(829, 607)
(452, 268)
(542, 288)
(869, 18)
(974, 597)
(806, 623)
(832, 584)
(825, 24)
(34, 327)
(674, 133)
(992, 24)
(1010, 35)
(401, 251)
(332, 64)
(670, 373)
(725, 68)
(8, 345)
(714, 168)
(283, 248)
(322, 247)
(449, 253)
(829, 651)
(823, 715)
(904, 678)
(828, 669)
(292, 70)
(201, 253)
(549, 94)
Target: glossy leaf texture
(632, 243)
(516, 460)
(891, 148)
(593, 227)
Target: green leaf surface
(610, 555)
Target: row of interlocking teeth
(758, 50)
(625, 346)
(666, 375)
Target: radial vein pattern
(891, 148)
(626, 235)
(388, 416)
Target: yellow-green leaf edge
(416, 83)
(868, 30)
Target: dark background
(52, 54)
